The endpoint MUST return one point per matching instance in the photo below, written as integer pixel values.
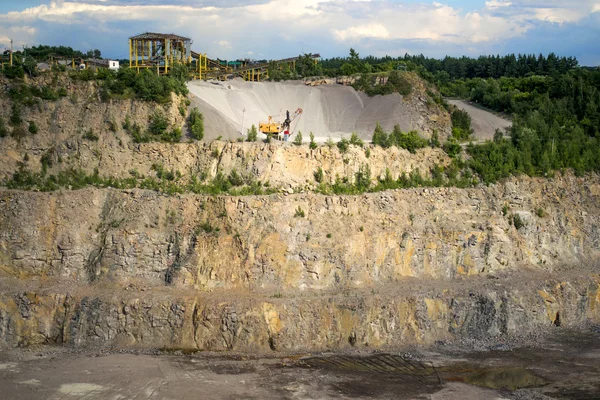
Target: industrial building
(159, 52)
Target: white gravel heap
(329, 110)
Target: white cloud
(493, 4)
(227, 29)
(376, 31)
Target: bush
(15, 115)
(196, 124)
(435, 140)
(318, 174)
(363, 178)
(252, 134)
(235, 179)
(380, 138)
(172, 136)
(298, 139)
(355, 140)
(410, 141)
(112, 125)
(540, 212)
(461, 125)
(299, 213)
(12, 72)
(3, 129)
(452, 148)
(343, 145)
(158, 123)
(89, 135)
(518, 222)
(33, 128)
(313, 144)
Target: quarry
(127, 272)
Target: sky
(271, 29)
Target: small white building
(95, 63)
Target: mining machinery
(272, 127)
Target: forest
(554, 105)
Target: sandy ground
(329, 110)
(484, 123)
(565, 366)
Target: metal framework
(159, 51)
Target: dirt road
(563, 367)
(484, 123)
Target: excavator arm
(289, 118)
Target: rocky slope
(285, 272)
(136, 268)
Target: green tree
(298, 139)
(252, 134)
(196, 124)
(313, 144)
(380, 138)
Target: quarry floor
(564, 365)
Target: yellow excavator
(272, 127)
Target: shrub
(112, 125)
(363, 178)
(3, 129)
(127, 123)
(299, 213)
(158, 123)
(540, 212)
(33, 128)
(435, 140)
(89, 135)
(235, 178)
(329, 236)
(15, 115)
(172, 136)
(318, 174)
(452, 148)
(313, 144)
(330, 143)
(252, 134)
(12, 72)
(298, 139)
(355, 140)
(410, 141)
(518, 221)
(461, 125)
(343, 145)
(196, 124)
(380, 138)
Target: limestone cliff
(250, 273)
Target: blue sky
(283, 28)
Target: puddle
(511, 378)
(79, 389)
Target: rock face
(136, 268)
(296, 271)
